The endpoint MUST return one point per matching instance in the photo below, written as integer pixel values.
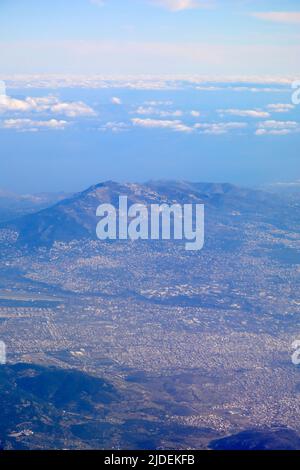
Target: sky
(150, 36)
(132, 90)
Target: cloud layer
(252, 113)
(288, 17)
(31, 125)
(277, 128)
(49, 104)
(179, 5)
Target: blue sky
(132, 90)
(149, 36)
(62, 138)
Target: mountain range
(75, 217)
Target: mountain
(288, 188)
(42, 404)
(47, 408)
(75, 217)
(270, 439)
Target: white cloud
(279, 124)
(218, 128)
(31, 125)
(152, 82)
(179, 126)
(158, 103)
(75, 109)
(48, 104)
(273, 132)
(176, 126)
(12, 105)
(289, 17)
(258, 90)
(253, 113)
(250, 89)
(277, 128)
(116, 100)
(114, 127)
(280, 107)
(179, 5)
(152, 111)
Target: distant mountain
(270, 439)
(75, 217)
(14, 205)
(291, 188)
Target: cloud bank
(288, 17)
(49, 104)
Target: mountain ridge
(75, 217)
